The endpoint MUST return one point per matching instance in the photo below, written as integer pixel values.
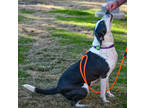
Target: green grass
(21, 51)
(24, 19)
(22, 74)
(77, 17)
(24, 42)
(87, 18)
(77, 40)
(24, 11)
(23, 47)
(73, 37)
(89, 21)
(72, 12)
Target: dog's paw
(81, 105)
(105, 101)
(110, 95)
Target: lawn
(50, 40)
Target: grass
(23, 19)
(72, 37)
(24, 46)
(24, 11)
(72, 44)
(77, 17)
(21, 51)
(77, 40)
(71, 12)
(90, 21)
(22, 74)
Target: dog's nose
(107, 12)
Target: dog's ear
(100, 31)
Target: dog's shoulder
(97, 64)
(93, 57)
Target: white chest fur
(110, 55)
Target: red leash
(84, 76)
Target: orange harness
(84, 76)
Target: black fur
(71, 82)
(47, 92)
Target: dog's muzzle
(109, 15)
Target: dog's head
(103, 27)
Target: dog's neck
(108, 40)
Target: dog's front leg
(107, 86)
(103, 82)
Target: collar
(98, 47)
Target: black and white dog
(102, 59)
